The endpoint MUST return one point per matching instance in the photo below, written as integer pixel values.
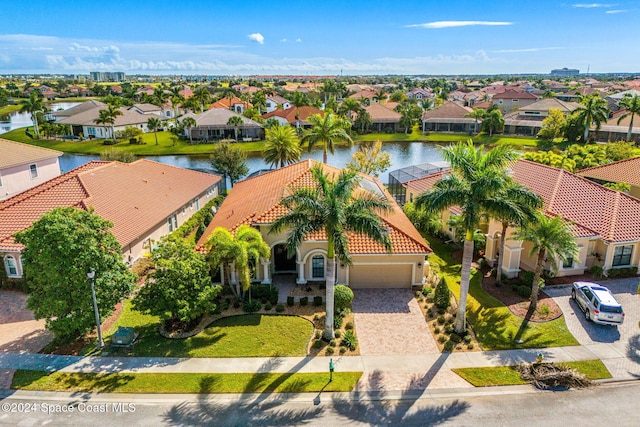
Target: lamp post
(91, 275)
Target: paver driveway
(389, 321)
(605, 341)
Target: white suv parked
(598, 303)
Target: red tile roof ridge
(164, 164)
(632, 159)
(417, 242)
(61, 179)
(614, 216)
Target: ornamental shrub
(279, 308)
(290, 301)
(343, 297)
(317, 301)
(304, 301)
(349, 340)
(442, 295)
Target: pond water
(19, 120)
(402, 154)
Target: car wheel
(587, 315)
(573, 294)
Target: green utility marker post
(331, 368)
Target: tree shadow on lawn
(373, 408)
(248, 410)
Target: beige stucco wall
(139, 247)
(16, 179)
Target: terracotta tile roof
(448, 110)
(290, 113)
(514, 94)
(16, 153)
(257, 201)
(218, 117)
(136, 197)
(224, 103)
(381, 114)
(623, 171)
(595, 211)
(547, 104)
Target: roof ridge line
(556, 188)
(405, 234)
(614, 216)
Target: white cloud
(531, 49)
(592, 5)
(615, 11)
(256, 37)
(283, 40)
(298, 40)
(449, 24)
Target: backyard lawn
(184, 382)
(166, 145)
(496, 328)
(251, 335)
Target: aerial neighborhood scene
(421, 215)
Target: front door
(282, 261)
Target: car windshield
(610, 309)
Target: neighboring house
(275, 102)
(165, 111)
(82, 119)
(627, 171)
(382, 118)
(366, 95)
(256, 202)
(294, 116)
(23, 166)
(528, 120)
(512, 100)
(211, 125)
(420, 94)
(145, 200)
(614, 131)
(604, 222)
(234, 104)
(449, 117)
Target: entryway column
(301, 280)
(266, 280)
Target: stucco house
(382, 118)
(211, 125)
(256, 202)
(294, 116)
(275, 102)
(449, 117)
(145, 200)
(512, 100)
(528, 120)
(604, 222)
(23, 166)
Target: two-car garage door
(381, 276)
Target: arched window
(10, 266)
(317, 266)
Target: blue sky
(318, 38)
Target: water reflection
(402, 154)
(17, 120)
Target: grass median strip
(508, 375)
(183, 382)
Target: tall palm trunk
(630, 128)
(324, 155)
(499, 258)
(465, 277)
(34, 117)
(586, 132)
(330, 290)
(535, 286)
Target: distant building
(105, 76)
(565, 72)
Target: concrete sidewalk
(614, 356)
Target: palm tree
(474, 184)
(176, 99)
(33, 105)
(236, 122)
(327, 131)
(282, 146)
(299, 99)
(551, 238)
(202, 96)
(108, 117)
(331, 206)
(478, 114)
(631, 103)
(493, 121)
(522, 209)
(159, 97)
(410, 113)
(229, 93)
(259, 101)
(363, 120)
(349, 108)
(592, 109)
(242, 250)
(189, 123)
(154, 124)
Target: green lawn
(251, 335)
(507, 375)
(494, 325)
(166, 145)
(417, 136)
(184, 383)
(8, 109)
